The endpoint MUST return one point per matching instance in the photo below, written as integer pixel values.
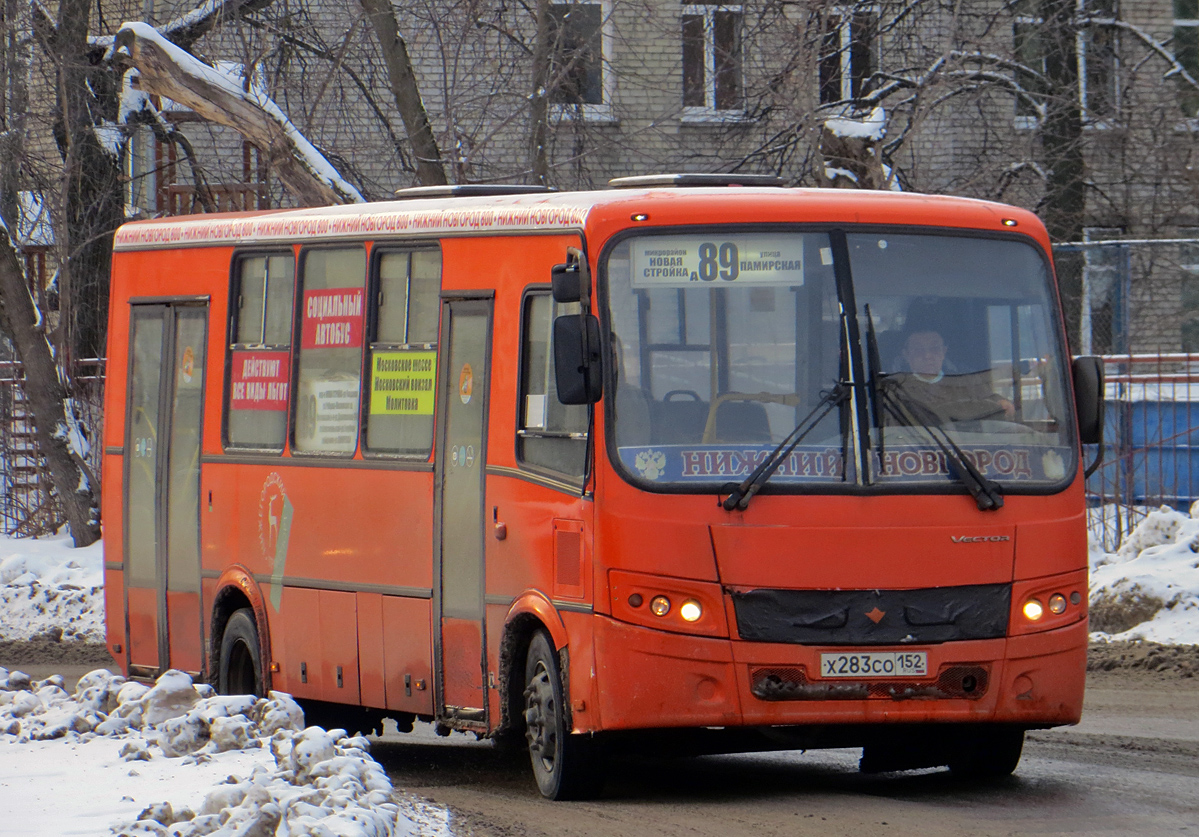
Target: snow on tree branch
(167, 70)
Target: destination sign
(717, 260)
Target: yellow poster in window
(403, 382)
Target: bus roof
(563, 211)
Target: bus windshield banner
(699, 463)
(721, 259)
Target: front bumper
(652, 679)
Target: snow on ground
(175, 759)
(117, 757)
(48, 587)
(1149, 588)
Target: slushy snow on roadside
(185, 762)
(175, 759)
(49, 588)
(1149, 588)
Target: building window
(552, 435)
(1029, 50)
(1096, 48)
(577, 55)
(848, 54)
(1098, 62)
(403, 353)
(1188, 258)
(1186, 51)
(712, 59)
(1101, 288)
(260, 351)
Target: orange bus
(693, 458)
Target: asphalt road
(1131, 767)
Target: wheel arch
(235, 590)
(530, 612)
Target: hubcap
(540, 718)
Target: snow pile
(49, 588)
(1149, 588)
(872, 127)
(301, 781)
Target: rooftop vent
(682, 180)
(470, 190)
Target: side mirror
(1088, 397)
(578, 371)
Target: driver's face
(925, 352)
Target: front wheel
(987, 753)
(239, 667)
(566, 766)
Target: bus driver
(936, 397)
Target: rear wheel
(239, 669)
(989, 753)
(566, 766)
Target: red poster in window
(260, 380)
(332, 319)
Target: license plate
(875, 664)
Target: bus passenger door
(458, 509)
(162, 488)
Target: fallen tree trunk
(168, 71)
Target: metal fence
(1151, 441)
(28, 505)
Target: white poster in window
(327, 415)
(717, 259)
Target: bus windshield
(731, 342)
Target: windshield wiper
(987, 493)
(876, 374)
(740, 495)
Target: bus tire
(566, 766)
(240, 665)
(989, 753)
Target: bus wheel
(987, 753)
(566, 766)
(239, 666)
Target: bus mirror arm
(571, 282)
(1088, 398)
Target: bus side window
(552, 435)
(330, 361)
(403, 353)
(260, 371)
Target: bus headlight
(1033, 610)
(659, 605)
(1057, 604)
(691, 611)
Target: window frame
(1186, 23)
(840, 20)
(370, 342)
(710, 111)
(233, 321)
(589, 111)
(297, 329)
(521, 432)
(1084, 53)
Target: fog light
(1033, 610)
(659, 606)
(1057, 603)
(690, 610)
